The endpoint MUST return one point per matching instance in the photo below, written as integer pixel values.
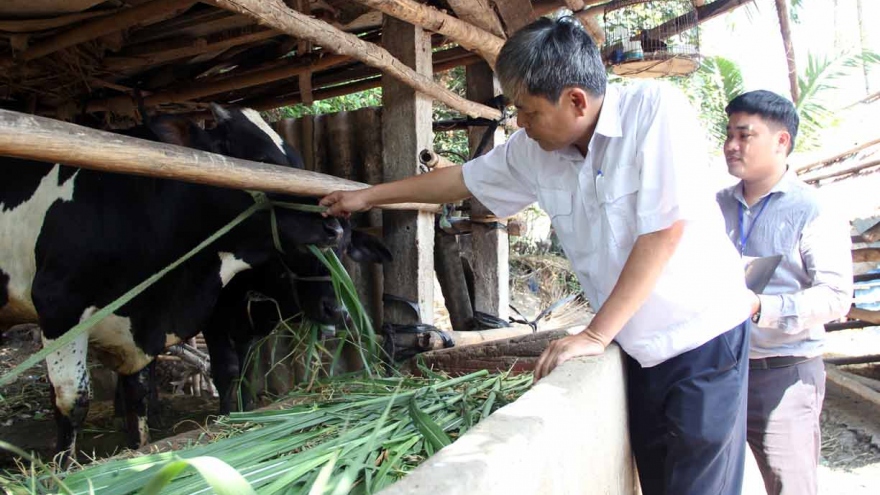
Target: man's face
(553, 125)
(753, 149)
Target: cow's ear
(220, 114)
(180, 131)
(366, 248)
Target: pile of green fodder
(349, 434)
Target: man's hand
(756, 304)
(560, 351)
(344, 203)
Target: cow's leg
(136, 391)
(243, 346)
(224, 366)
(69, 379)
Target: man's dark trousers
(688, 418)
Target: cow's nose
(334, 230)
(331, 310)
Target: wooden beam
(190, 48)
(785, 31)
(836, 158)
(275, 14)
(142, 14)
(840, 173)
(36, 25)
(866, 255)
(330, 87)
(406, 130)
(845, 360)
(53, 141)
(835, 376)
(467, 35)
(515, 14)
(203, 89)
(478, 13)
(679, 24)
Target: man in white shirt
(621, 174)
(772, 212)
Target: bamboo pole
(839, 173)
(275, 14)
(49, 140)
(432, 160)
(836, 158)
(467, 35)
(101, 27)
(35, 25)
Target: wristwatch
(757, 315)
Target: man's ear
(578, 99)
(783, 142)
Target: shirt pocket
(617, 194)
(558, 205)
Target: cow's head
(311, 279)
(242, 133)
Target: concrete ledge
(567, 435)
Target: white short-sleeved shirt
(646, 168)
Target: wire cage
(651, 38)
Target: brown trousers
(783, 425)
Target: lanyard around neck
(743, 235)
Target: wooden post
(489, 255)
(406, 130)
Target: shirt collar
(783, 186)
(609, 115)
(607, 125)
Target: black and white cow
(253, 303)
(73, 240)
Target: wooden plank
(866, 255)
(190, 48)
(875, 358)
(834, 375)
(450, 275)
(489, 255)
(53, 141)
(35, 25)
(478, 13)
(467, 35)
(517, 354)
(514, 13)
(140, 15)
(203, 89)
(406, 129)
(278, 16)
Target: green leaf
(434, 435)
(222, 478)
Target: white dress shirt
(646, 168)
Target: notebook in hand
(759, 271)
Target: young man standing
(620, 172)
(771, 212)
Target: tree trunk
(863, 44)
(785, 30)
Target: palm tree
(782, 12)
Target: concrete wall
(567, 435)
